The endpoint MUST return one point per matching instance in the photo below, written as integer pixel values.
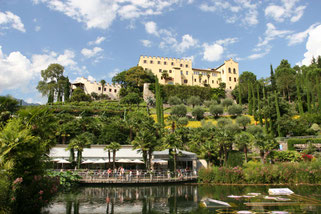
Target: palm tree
(243, 141)
(80, 142)
(172, 141)
(102, 82)
(114, 147)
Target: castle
(111, 90)
(180, 71)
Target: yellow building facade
(180, 71)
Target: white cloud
(227, 41)
(37, 28)
(233, 11)
(89, 53)
(98, 40)
(102, 13)
(17, 71)
(300, 37)
(14, 21)
(212, 52)
(151, 28)
(288, 10)
(187, 42)
(113, 73)
(146, 43)
(91, 78)
(272, 33)
(313, 46)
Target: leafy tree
(198, 113)
(173, 100)
(79, 95)
(8, 103)
(216, 110)
(52, 81)
(242, 88)
(222, 122)
(235, 110)
(131, 99)
(194, 100)
(243, 121)
(94, 95)
(209, 103)
(285, 79)
(173, 142)
(227, 102)
(179, 110)
(113, 147)
(182, 121)
(67, 90)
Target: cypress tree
(250, 103)
(159, 103)
(319, 93)
(67, 90)
(259, 104)
(253, 99)
(278, 115)
(298, 93)
(270, 117)
(308, 92)
(264, 113)
(240, 95)
(273, 81)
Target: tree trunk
(79, 159)
(266, 153)
(150, 152)
(114, 159)
(262, 156)
(175, 156)
(245, 153)
(108, 156)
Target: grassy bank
(257, 173)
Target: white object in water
(280, 212)
(234, 196)
(244, 212)
(280, 191)
(217, 202)
(254, 193)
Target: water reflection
(172, 199)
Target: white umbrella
(123, 161)
(63, 161)
(159, 161)
(56, 159)
(87, 161)
(101, 161)
(137, 161)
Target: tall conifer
(250, 103)
(278, 115)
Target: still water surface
(183, 199)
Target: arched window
(229, 70)
(234, 71)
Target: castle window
(158, 62)
(185, 81)
(230, 79)
(230, 87)
(217, 82)
(214, 74)
(194, 80)
(160, 70)
(110, 90)
(205, 81)
(234, 79)
(186, 72)
(170, 71)
(172, 63)
(212, 81)
(234, 71)
(229, 70)
(145, 61)
(165, 63)
(181, 72)
(104, 89)
(186, 66)
(151, 62)
(115, 90)
(181, 65)
(99, 88)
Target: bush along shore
(258, 173)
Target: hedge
(292, 142)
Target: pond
(186, 198)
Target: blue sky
(98, 38)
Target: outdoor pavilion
(97, 158)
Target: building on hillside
(111, 90)
(180, 71)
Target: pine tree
(250, 103)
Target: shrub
(174, 101)
(179, 110)
(223, 122)
(286, 156)
(198, 113)
(235, 110)
(243, 121)
(216, 110)
(208, 103)
(293, 141)
(194, 100)
(227, 102)
(182, 121)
